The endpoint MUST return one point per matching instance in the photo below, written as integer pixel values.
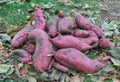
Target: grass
(15, 13)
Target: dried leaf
(75, 78)
(62, 78)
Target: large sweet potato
(69, 41)
(52, 27)
(65, 25)
(21, 37)
(74, 59)
(26, 56)
(82, 22)
(43, 48)
(40, 22)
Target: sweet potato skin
(69, 41)
(52, 27)
(103, 42)
(82, 22)
(21, 37)
(40, 22)
(43, 48)
(74, 59)
(65, 25)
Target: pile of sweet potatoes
(59, 42)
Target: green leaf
(4, 68)
(5, 37)
(115, 62)
(31, 79)
(115, 52)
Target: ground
(15, 14)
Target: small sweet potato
(52, 27)
(26, 56)
(82, 22)
(40, 22)
(65, 25)
(31, 47)
(43, 48)
(21, 37)
(74, 59)
(103, 42)
(69, 41)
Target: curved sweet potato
(43, 48)
(69, 41)
(31, 47)
(74, 59)
(65, 25)
(26, 56)
(40, 22)
(82, 22)
(21, 37)
(105, 43)
(52, 27)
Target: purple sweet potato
(74, 59)
(40, 22)
(52, 27)
(82, 22)
(65, 25)
(31, 47)
(69, 41)
(43, 48)
(81, 33)
(103, 42)
(26, 56)
(21, 37)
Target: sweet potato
(82, 22)
(81, 33)
(103, 42)
(43, 48)
(52, 27)
(74, 59)
(65, 25)
(26, 56)
(21, 37)
(40, 22)
(60, 14)
(31, 47)
(69, 41)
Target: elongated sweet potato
(69, 41)
(40, 22)
(74, 59)
(82, 22)
(65, 25)
(43, 48)
(26, 56)
(52, 27)
(105, 43)
(21, 37)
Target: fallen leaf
(115, 62)
(5, 68)
(75, 78)
(115, 52)
(62, 78)
(5, 37)
(116, 80)
(31, 79)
